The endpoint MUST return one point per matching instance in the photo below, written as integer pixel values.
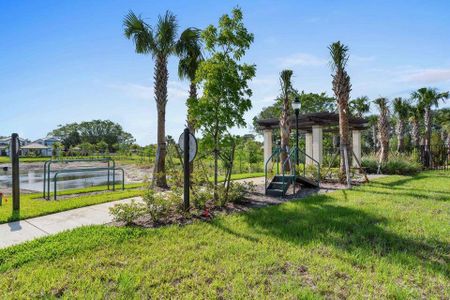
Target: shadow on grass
(317, 219)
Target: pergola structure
(313, 125)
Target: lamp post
(296, 105)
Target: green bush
(127, 212)
(159, 206)
(396, 165)
(235, 194)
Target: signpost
(14, 153)
(188, 146)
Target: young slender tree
(373, 121)
(224, 81)
(402, 111)
(189, 50)
(341, 88)
(286, 93)
(383, 128)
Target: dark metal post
(186, 168)
(15, 171)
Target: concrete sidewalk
(26, 230)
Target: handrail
(47, 169)
(89, 170)
(316, 162)
(276, 152)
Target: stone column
(267, 146)
(317, 139)
(356, 145)
(308, 148)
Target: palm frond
(165, 33)
(135, 28)
(339, 55)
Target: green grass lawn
(386, 239)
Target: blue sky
(66, 61)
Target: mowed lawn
(386, 239)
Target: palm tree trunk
(383, 134)
(192, 97)
(161, 77)
(374, 138)
(427, 138)
(190, 120)
(415, 134)
(285, 132)
(344, 134)
(400, 138)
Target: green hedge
(395, 166)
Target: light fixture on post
(296, 106)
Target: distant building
(40, 147)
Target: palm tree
(159, 42)
(426, 98)
(189, 50)
(359, 106)
(402, 110)
(341, 88)
(286, 93)
(383, 128)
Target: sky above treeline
(68, 61)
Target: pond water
(33, 180)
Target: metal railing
(48, 170)
(275, 154)
(87, 170)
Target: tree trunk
(383, 134)
(341, 89)
(190, 119)
(374, 138)
(161, 76)
(427, 123)
(285, 133)
(427, 137)
(415, 134)
(400, 138)
(344, 135)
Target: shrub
(127, 212)
(159, 206)
(397, 165)
(201, 197)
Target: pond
(33, 180)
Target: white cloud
(426, 76)
(301, 59)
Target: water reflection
(33, 180)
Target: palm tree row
(161, 42)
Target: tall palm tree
(359, 106)
(426, 99)
(401, 109)
(383, 128)
(341, 88)
(189, 50)
(159, 42)
(286, 93)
